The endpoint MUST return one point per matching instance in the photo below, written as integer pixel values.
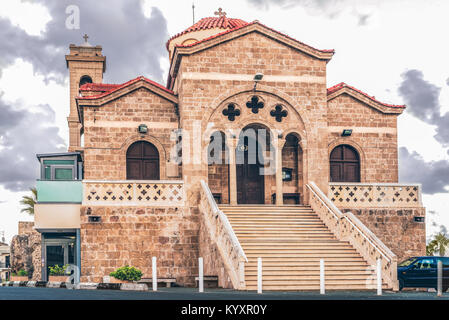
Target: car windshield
(407, 262)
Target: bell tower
(86, 64)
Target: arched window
(85, 79)
(142, 161)
(344, 164)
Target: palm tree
(29, 202)
(438, 244)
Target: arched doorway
(292, 170)
(142, 161)
(218, 167)
(253, 141)
(344, 164)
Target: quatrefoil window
(231, 112)
(278, 113)
(255, 104)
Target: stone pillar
(279, 193)
(232, 145)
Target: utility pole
(193, 12)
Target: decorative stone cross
(85, 37)
(220, 13)
(255, 104)
(231, 112)
(278, 113)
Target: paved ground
(23, 293)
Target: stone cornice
(366, 100)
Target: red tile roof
(114, 87)
(98, 87)
(210, 23)
(342, 85)
(254, 22)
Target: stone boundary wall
(133, 235)
(396, 228)
(26, 251)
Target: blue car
(421, 272)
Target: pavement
(24, 293)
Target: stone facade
(111, 129)
(26, 251)
(205, 78)
(374, 137)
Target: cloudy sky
(393, 49)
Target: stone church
(244, 153)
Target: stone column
(232, 145)
(279, 193)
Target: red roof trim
(342, 85)
(210, 23)
(98, 86)
(254, 22)
(115, 87)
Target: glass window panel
(63, 174)
(47, 173)
(59, 162)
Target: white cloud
(30, 17)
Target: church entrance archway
(253, 141)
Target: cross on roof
(85, 37)
(220, 13)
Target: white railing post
(259, 275)
(322, 285)
(379, 276)
(200, 275)
(440, 278)
(154, 274)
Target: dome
(204, 28)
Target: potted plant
(125, 274)
(57, 273)
(21, 275)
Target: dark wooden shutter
(142, 162)
(344, 164)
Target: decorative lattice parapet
(375, 195)
(130, 193)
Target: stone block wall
(110, 129)
(26, 251)
(133, 235)
(374, 136)
(396, 229)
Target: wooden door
(344, 164)
(142, 162)
(250, 180)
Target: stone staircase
(291, 240)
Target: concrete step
(304, 260)
(311, 268)
(313, 287)
(367, 277)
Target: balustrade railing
(220, 231)
(347, 227)
(365, 195)
(133, 193)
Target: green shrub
(56, 270)
(20, 273)
(127, 273)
